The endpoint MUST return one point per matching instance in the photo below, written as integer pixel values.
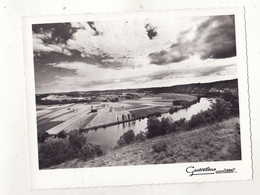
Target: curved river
(107, 137)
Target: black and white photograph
(136, 92)
(152, 93)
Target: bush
(180, 125)
(166, 124)
(173, 109)
(42, 136)
(140, 137)
(197, 120)
(54, 151)
(77, 140)
(90, 151)
(154, 127)
(221, 109)
(62, 134)
(121, 142)
(127, 138)
(159, 147)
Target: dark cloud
(102, 60)
(55, 38)
(60, 32)
(46, 75)
(92, 26)
(219, 40)
(214, 38)
(151, 32)
(175, 54)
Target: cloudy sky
(98, 55)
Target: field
(216, 142)
(55, 118)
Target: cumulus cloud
(213, 38)
(127, 54)
(58, 32)
(51, 38)
(40, 46)
(174, 54)
(216, 37)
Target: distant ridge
(195, 88)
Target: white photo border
(141, 174)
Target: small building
(93, 109)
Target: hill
(215, 142)
(211, 88)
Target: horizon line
(131, 88)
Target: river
(107, 137)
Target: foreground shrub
(140, 137)
(77, 140)
(90, 151)
(42, 136)
(62, 134)
(197, 120)
(54, 151)
(127, 138)
(221, 109)
(232, 97)
(154, 127)
(159, 147)
(180, 125)
(166, 125)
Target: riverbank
(177, 105)
(215, 142)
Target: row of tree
(66, 146)
(219, 111)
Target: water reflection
(204, 104)
(107, 137)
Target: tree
(140, 137)
(127, 138)
(77, 140)
(42, 136)
(54, 151)
(90, 151)
(154, 127)
(166, 125)
(62, 134)
(222, 109)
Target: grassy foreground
(216, 142)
